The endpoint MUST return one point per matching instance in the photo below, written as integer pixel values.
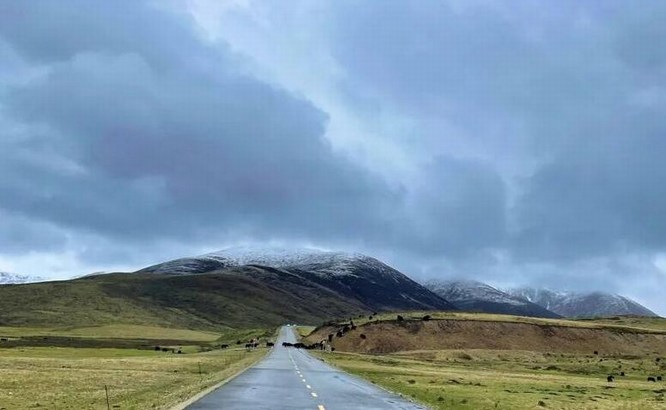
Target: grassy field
(485, 379)
(113, 331)
(70, 378)
(36, 375)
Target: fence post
(108, 404)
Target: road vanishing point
(292, 379)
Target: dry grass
(70, 378)
(113, 331)
(304, 331)
(73, 377)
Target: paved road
(292, 379)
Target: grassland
(487, 379)
(72, 378)
(114, 331)
(39, 375)
(543, 363)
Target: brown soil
(393, 336)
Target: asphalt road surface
(292, 379)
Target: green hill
(243, 297)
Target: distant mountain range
(474, 296)
(581, 304)
(12, 278)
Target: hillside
(581, 304)
(240, 297)
(469, 331)
(474, 296)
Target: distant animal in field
(596, 352)
(224, 346)
(363, 336)
(651, 379)
(610, 378)
(659, 378)
(4, 339)
(622, 374)
(400, 318)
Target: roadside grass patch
(505, 380)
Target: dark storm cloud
(164, 135)
(580, 83)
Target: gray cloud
(167, 136)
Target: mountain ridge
(582, 304)
(475, 296)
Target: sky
(514, 142)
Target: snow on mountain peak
(582, 304)
(327, 263)
(466, 289)
(7, 278)
(279, 257)
(319, 262)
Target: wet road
(292, 379)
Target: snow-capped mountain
(350, 274)
(470, 295)
(325, 263)
(582, 304)
(12, 278)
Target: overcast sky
(515, 142)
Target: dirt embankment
(393, 336)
